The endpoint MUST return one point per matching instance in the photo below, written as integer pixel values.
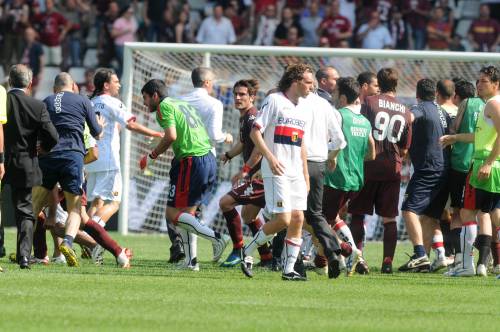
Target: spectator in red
(260, 6)
(484, 33)
(416, 13)
(33, 57)
(295, 5)
(239, 23)
(14, 19)
(287, 21)
(124, 29)
(53, 28)
(449, 8)
(438, 31)
(267, 26)
(335, 27)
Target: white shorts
(105, 185)
(53, 55)
(284, 194)
(61, 215)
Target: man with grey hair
(327, 82)
(27, 122)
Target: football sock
(292, 249)
(255, 225)
(357, 227)
(344, 233)
(102, 237)
(445, 229)
(455, 239)
(258, 239)
(320, 261)
(99, 221)
(69, 240)
(233, 223)
(484, 244)
(495, 252)
(173, 232)
(467, 238)
(190, 245)
(39, 239)
(438, 246)
(193, 225)
(390, 238)
(419, 250)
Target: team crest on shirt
(279, 204)
(115, 193)
(295, 136)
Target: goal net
(145, 194)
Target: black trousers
(314, 214)
(25, 220)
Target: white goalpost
(144, 195)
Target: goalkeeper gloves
(147, 159)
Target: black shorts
(384, 195)
(334, 200)
(65, 167)
(251, 192)
(456, 186)
(426, 194)
(478, 199)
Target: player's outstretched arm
(448, 140)
(276, 166)
(168, 138)
(138, 128)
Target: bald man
(327, 83)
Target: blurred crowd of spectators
(58, 32)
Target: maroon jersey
(391, 125)
(246, 125)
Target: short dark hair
(387, 80)
(101, 76)
(366, 77)
(426, 89)
(155, 86)
(445, 88)
(252, 86)
(293, 73)
(323, 72)
(464, 89)
(349, 87)
(492, 72)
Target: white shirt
(210, 110)
(376, 38)
(114, 113)
(216, 32)
(282, 125)
(265, 31)
(323, 131)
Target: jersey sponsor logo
(291, 121)
(359, 132)
(58, 102)
(288, 135)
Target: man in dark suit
(28, 123)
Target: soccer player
(391, 129)
(426, 194)
(324, 139)
(193, 170)
(344, 183)
(64, 165)
(250, 193)
(278, 134)
(327, 82)
(104, 183)
(469, 108)
(482, 191)
(445, 90)
(368, 85)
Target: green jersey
(349, 173)
(461, 154)
(485, 136)
(192, 138)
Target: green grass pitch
(154, 296)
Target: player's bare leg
(419, 261)
(101, 211)
(73, 205)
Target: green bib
(349, 174)
(461, 154)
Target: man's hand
(229, 139)
(276, 166)
(224, 158)
(101, 122)
(332, 164)
(447, 140)
(484, 171)
(236, 178)
(147, 160)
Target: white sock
(438, 246)
(190, 244)
(467, 237)
(98, 220)
(193, 225)
(291, 250)
(259, 239)
(344, 233)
